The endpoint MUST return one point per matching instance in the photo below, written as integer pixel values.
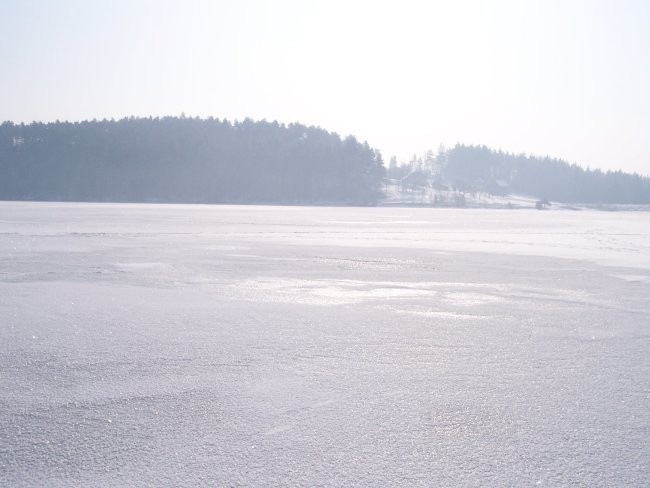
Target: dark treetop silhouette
(180, 159)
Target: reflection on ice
(342, 292)
(327, 292)
(635, 278)
(438, 314)
(468, 299)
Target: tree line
(468, 168)
(181, 159)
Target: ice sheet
(170, 345)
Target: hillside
(479, 176)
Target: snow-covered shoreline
(397, 194)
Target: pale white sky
(565, 78)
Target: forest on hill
(470, 169)
(193, 160)
(181, 159)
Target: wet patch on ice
(327, 292)
(135, 266)
(341, 292)
(469, 299)
(447, 296)
(376, 264)
(440, 314)
(247, 256)
(278, 429)
(382, 222)
(634, 278)
(220, 247)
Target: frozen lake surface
(170, 345)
